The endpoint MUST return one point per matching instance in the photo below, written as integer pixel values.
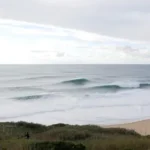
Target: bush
(74, 135)
(58, 125)
(31, 126)
(56, 146)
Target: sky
(74, 32)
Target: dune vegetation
(69, 137)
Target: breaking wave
(81, 81)
(119, 87)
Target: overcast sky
(75, 31)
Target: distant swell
(144, 85)
(118, 87)
(81, 81)
(25, 88)
(41, 77)
(32, 97)
(108, 87)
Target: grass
(69, 137)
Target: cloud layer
(117, 18)
(26, 43)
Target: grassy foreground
(69, 137)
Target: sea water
(74, 94)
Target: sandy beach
(142, 127)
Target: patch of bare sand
(141, 127)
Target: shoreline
(142, 126)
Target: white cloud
(31, 43)
(60, 54)
(136, 52)
(119, 18)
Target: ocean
(74, 94)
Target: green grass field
(69, 137)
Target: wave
(80, 81)
(144, 85)
(40, 77)
(30, 78)
(107, 87)
(32, 97)
(119, 87)
(25, 88)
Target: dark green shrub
(30, 125)
(58, 125)
(75, 135)
(56, 146)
